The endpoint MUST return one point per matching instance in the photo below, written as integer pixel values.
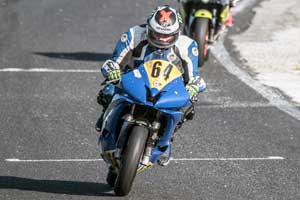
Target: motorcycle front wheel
(130, 160)
(201, 35)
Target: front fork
(129, 121)
(153, 136)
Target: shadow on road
(55, 186)
(82, 56)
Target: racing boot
(111, 176)
(165, 157)
(99, 122)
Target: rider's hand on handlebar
(114, 75)
(196, 86)
(193, 91)
(111, 71)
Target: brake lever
(105, 82)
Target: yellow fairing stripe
(224, 14)
(203, 13)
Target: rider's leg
(165, 157)
(98, 124)
(188, 114)
(226, 16)
(104, 98)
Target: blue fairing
(173, 95)
(135, 87)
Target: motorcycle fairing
(160, 73)
(135, 83)
(111, 118)
(163, 145)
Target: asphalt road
(241, 147)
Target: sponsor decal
(137, 73)
(165, 19)
(124, 37)
(156, 83)
(195, 51)
(171, 57)
(163, 28)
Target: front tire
(201, 35)
(130, 160)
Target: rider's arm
(188, 50)
(189, 53)
(112, 67)
(123, 46)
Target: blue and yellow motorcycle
(202, 23)
(148, 106)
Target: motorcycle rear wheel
(201, 35)
(130, 160)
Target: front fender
(202, 13)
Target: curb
(222, 55)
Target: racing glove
(114, 75)
(111, 70)
(193, 90)
(196, 86)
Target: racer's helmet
(163, 27)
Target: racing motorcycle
(203, 23)
(149, 104)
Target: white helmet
(163, 27)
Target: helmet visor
(163, 40)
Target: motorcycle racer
(160, 37)
(226, 19)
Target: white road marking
(52, 160)
(216, 104)
(212, 104)
(228, 159)
(49, 70)
(174, 159)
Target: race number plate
(160, 73)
